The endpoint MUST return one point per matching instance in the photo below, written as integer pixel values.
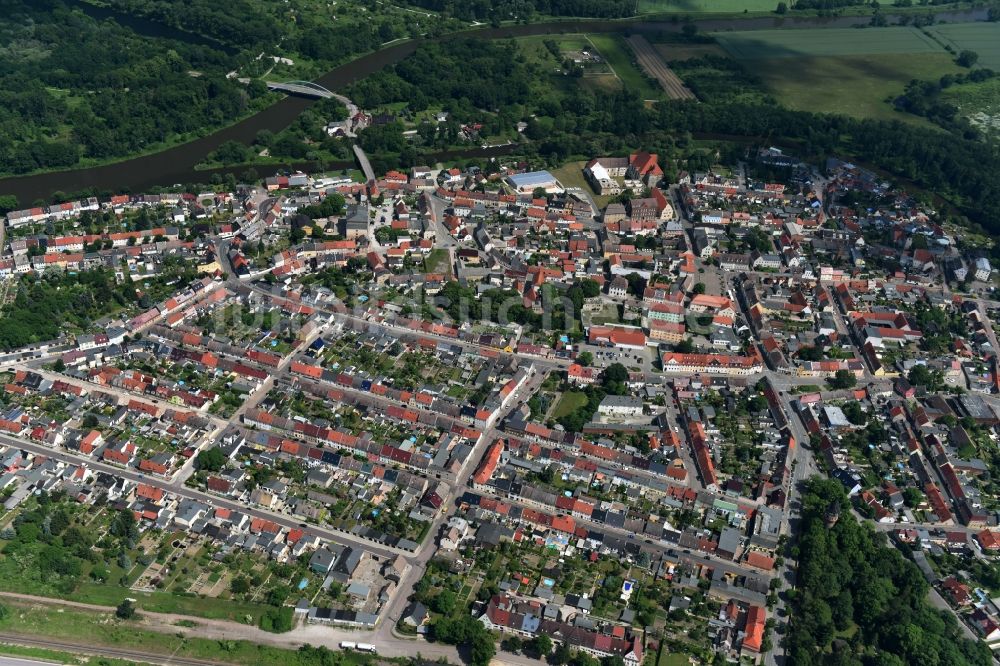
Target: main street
(803, 466)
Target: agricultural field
(760, 44)
(855, 72)
(983, 38)
(859, 86)
(705, 6)
(685, 51)
(979, 102)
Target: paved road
(990, 334)
(363, 324)
(19, 661)
(366, 166)
(803, 466)
(172, 486)
(388, 643)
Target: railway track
(105, 651)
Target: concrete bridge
(366, 166)
(304, 88)
(310, 89)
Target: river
(176, 165)
(148, 27)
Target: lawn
(858, 86)
(705, 6)
(673, 659)
(438, 261)
(569, 402)
(619, 56)
(983, 38)
(571, 175)
(761, 44)
(597, 75)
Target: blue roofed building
(531, 180)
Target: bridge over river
(304, 88)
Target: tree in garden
(125, 610)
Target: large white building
(714, 364)
(620, 405)
(983, 269)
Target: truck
(348, 645)
(366, 647)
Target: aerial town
(471, 405)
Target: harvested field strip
(654, 66)
(983, 38)
(758, 44)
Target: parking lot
(633, 359)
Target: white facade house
(620, 405)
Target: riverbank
(177, 165)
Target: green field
(857, 86)
(57, 657)
(673, 659)
(983, 38)
(855, 72)
(571, 175)
(438, 261)
(674, 51)
(758, 44)
(569, 402)
(99, 629)
(617, 54)
(597, 76)
(979, 102)
(706, 6)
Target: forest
(319, 30)
(457, 73)
(43, 305)
(859, 602)
(73, 88)
(79, 91)
(237, 22)
(923, 98)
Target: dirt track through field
(654, 66)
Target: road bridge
(304, 88)
(366, 166)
